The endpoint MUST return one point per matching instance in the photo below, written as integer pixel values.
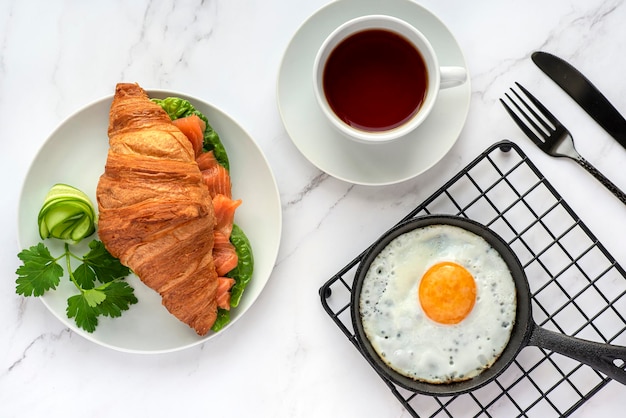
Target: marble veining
(285, 358)
(315, 182)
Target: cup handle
(452, 76)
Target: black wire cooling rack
(577, 288)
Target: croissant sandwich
(156, 213)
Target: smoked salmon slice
(224, 254)
(215, 176)
(193, 127)
(206, 160)
(224, 284)
(224, 208)
(217, 181)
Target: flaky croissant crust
(155, 213)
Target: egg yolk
(447, 293)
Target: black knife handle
(602, 179)
(582, 90)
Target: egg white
(400, 332)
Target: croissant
(155, 213)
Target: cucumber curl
(67, 214)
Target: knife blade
(579, 88)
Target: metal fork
(549, 134)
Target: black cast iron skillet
(604, 358)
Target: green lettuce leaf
(245, 266)
(223, 318)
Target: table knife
(584, 93)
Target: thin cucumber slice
(62, 212)
(83, 228)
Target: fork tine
(522, 125)
(544, 111)
(536, 117)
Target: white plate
(76, 153)
(377, 164)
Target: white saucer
(322, 145)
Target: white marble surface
(285, 358)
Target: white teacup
(376, 78)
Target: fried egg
(438, 304)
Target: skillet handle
(598, 356)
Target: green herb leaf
(85, 276)
(94, 297)
(109, 299)
(38, 273)
(105, 267)
(119, 297)
(85, 316)
(41, 272)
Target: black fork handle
(602, 179)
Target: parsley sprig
(99, 279)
